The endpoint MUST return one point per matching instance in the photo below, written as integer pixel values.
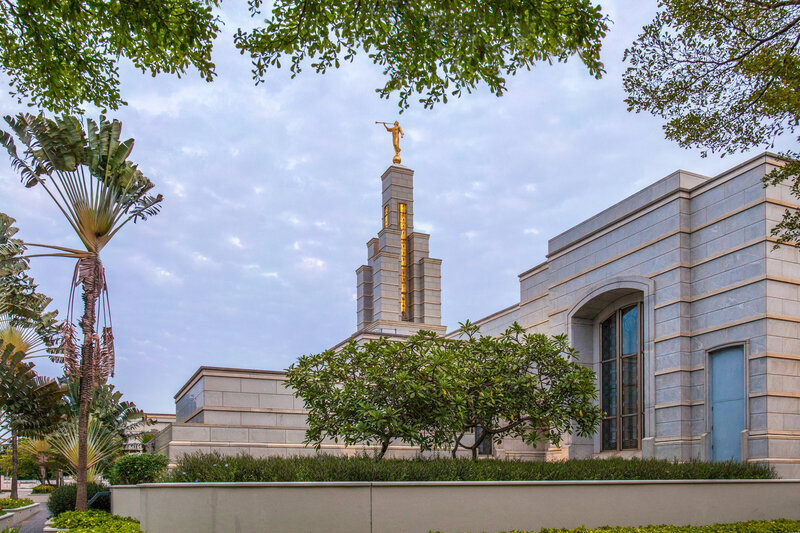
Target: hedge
(95, 521)
(760, 526)
(63, 498)
(215, 467)
(137, 468)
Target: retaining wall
(450, 507)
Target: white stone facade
(692, 254)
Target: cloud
(531, 231)
(236, 241)
(312, 265)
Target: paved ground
(35, 523)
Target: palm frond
(102, 444)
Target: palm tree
(102, 445)
(40, 448)
(31, 405)
(117, 415)
(86, 173)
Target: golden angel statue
(397, 132)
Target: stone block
(262, 452)
(223, 417)
(294, 436)
(276, 401)
(283, 388)
(239, 399)
(225, 384)
(786, 367)
(229, 434)
(180, 432)
(212, 398)
(259, 419)
(291, 420)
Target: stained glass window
(404, 312)
(621, 379)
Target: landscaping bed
(94, 521)
(763, 526)
(215, 467)
(10, 504)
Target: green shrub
(137, 468)
(220, 468)
(63, 498)
(43, 489)
(761, 526)
(95, 521)
(9, 503)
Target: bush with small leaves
(43, 489)
(137, 468)
(63, 498)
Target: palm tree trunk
(91, 292)
(14, 461)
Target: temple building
(676, 297)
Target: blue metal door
(727, 403)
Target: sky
(272, 191)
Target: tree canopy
(60, 56)
(435, 49)
(723, 74)
(378, 392)
(431, 391)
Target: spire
(399, 289)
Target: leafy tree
(60, 56)
(435, 49)
(522, 385)
(87, 174)
(723, 74)
(27, 465)
(431, 391)
(379, 392)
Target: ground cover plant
(12, 503)
(43, 489)
(96, 521)
(760, 526)
(215, 467)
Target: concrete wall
(450, 507)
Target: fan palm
(42, 451)
(87, 174)
(31, 405)
(102, 445)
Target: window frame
(617, 314)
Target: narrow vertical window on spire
(386, 216)
(403, 264)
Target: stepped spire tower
(399, 289)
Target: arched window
(621, 379)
